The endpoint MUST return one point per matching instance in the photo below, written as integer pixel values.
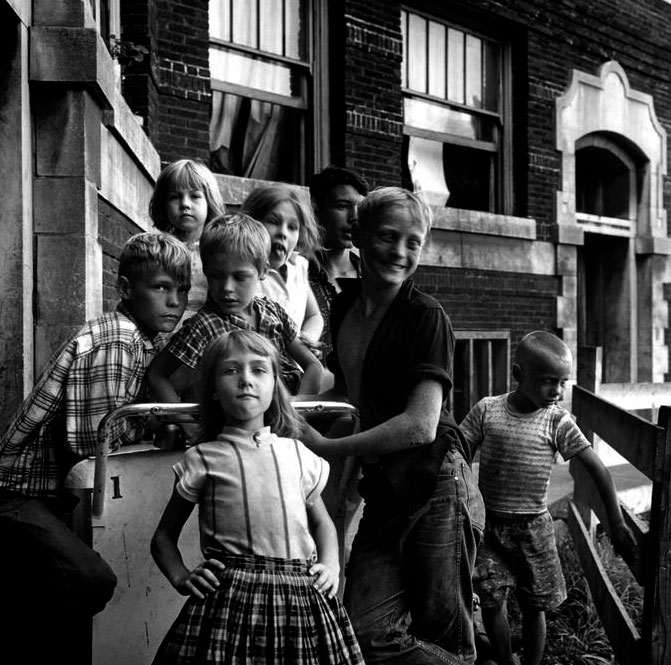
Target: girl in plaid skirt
(266, 589)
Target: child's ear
(517, 372)
(124, 288)
(264, 271)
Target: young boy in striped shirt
(54, 582)
(519, 434)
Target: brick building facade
(538, 130)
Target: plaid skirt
(264, 611)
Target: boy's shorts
(519, 554)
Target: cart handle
(305, 408)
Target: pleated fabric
(265, 611)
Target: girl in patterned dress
(266, 589)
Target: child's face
(231, 282)
(337, 214)
(284, 228)
(542, 380)
(155, 299)
(187, 212)
(390, 248)
(244, 385)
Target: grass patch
(574, 632)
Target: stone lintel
(72, 56)
(653, 245)
(70, 13)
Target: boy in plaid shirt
(234, 249)
(51, 573)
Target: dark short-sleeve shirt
(413, 342)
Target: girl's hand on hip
(327, 577)
(202, 579)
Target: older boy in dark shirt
(409, 591)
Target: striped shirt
(98, 369)
(252, 489)
(189, 343)
(517, 452)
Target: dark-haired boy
(335, 194)
(53, 582)
(409, 590)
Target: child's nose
(173, 297)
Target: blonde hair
(184, 174)
(149, 251)
(261, 201)
(239, 234)
(280, 416)
(383, 198)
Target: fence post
(657, 602)
(590, 363)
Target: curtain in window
(245, 135)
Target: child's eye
(197, 194)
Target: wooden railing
(647, 446)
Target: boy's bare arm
(624, 542)
(415, 426)
(312, 368)
(313, 324)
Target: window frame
(495, 386)
(314, 100)
(504, 159)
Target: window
(455, 107)
(262, 75)
(481, 368)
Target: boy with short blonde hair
(519, 434)
(53, 580)
(408, 590)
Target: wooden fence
(647, 446)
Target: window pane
(255, 139)
(245, 23)
(470, 177)
(271, 26)
(252, 73)
(406, 53)
(296, 38)
(437, 82)
(220, 19)
(473, 71)
(417, 53)
(455, 65)
(435, 117)
(425, 163)
(490, 84)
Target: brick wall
(172, 91)
(489, 300)
(371, 105)
(113, 231)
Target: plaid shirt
(97, 370)
(188, 344)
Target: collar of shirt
(244, 437)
